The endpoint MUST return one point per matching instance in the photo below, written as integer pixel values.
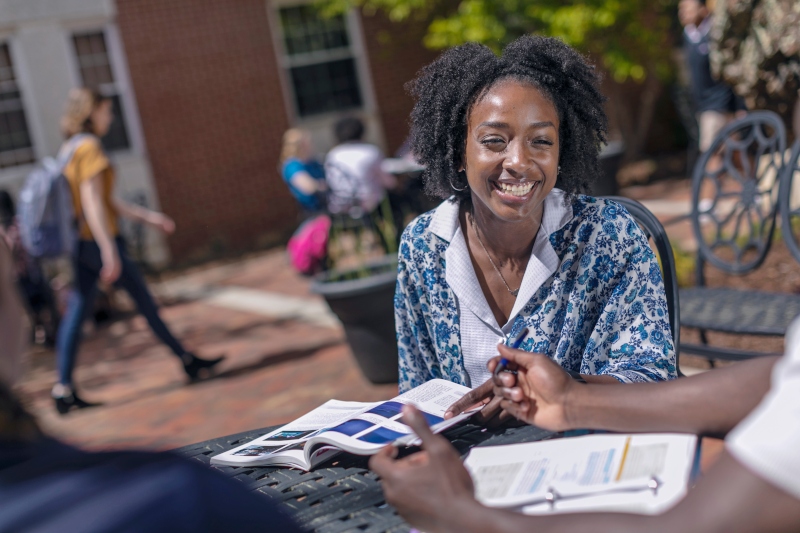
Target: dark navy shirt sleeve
(61, 489)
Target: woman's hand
(492, 413)
(161, 222)
(478, 396)
(539, 393)
(426, 486)
(112, 266)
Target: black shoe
(197, 368)
(71, 401)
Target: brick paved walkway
(279, 366)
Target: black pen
(501, 366)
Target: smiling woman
(507, 250)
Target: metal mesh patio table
(341, 495)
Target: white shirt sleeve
(768, 440)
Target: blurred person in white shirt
(356, 181)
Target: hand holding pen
(484, 394)
(502, 366)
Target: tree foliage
(631, 38)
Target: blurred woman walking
(100, 251)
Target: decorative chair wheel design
(735, 192)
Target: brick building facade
(214, 95)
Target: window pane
(83, 45)
(117, 136)
(325, 87)
(305, 31)
(15, 141)
(89, 78)
(96, 74)
(97, 44)
(93, 60)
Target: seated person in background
(301, 172)
(754, 486)
(38, 296)
(507, 250)
(48, 486)
(353, 170)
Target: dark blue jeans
(87, 264)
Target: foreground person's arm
(433, 491)
(711, 403)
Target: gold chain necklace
(513, 292)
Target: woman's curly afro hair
(446, 90)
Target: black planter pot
(365, 306)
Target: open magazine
(640, 473)
(356, 427)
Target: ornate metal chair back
(735, 188)
(790, 201)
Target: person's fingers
(513, 394)
(382, 462)
(489, 411)
(420, 458)
(414, 419)
(506, 379)
(520, 357)
(517, 410)
(471, 398)
(492, 363)
(499, 417)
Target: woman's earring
(559, 170)
(462, 170)
(456, 188)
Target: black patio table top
(341, 495)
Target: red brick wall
(210, 102)
(395, 54)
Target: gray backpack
(46, 217)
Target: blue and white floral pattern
(603, 311)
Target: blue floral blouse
(600, 308)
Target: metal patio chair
(790, 206)
(735, 197)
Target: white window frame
(119, 70)
(285, 63)
(7, 40)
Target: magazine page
(644, 473)
(367, 432)
(287, 441)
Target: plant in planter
(359, 287)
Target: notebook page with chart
(643, 473)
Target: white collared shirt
(480, 332)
